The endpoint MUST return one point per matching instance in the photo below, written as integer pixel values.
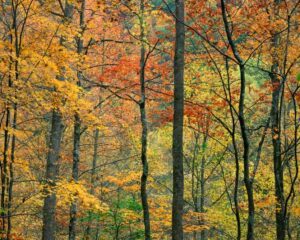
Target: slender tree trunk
(93, 178)
(14, 40)
(202, 185)
(77, 133)
(292, 193)
(142, 106)
(177, 148)
(4, 174)
(145, 171)
(4, 178)
(277, 88)
(75, 172)
(11, 174)
(14, 125)
(278, 172)
(244, 132)
(236, 156)
(196, 181)
(246, 145)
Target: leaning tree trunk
(177, 148)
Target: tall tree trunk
(292, 193)
(11, 174)
(277, 161)
(236, 155)
(75, 172)
(244, 132)
(202, 183)
(7, 113)
(142, 105)
(52, 167)
(277, 88)
(246, 145)
(177, 148)
(49, 223)
(4, 178)
(93, 178)
(77, 133)
(12, 154)
(196, 181)
(14, 124)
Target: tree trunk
(276, 139)
(177, 148)
(195, 188)
(4, 178)
(278, 171)
(11, 174)
(246, 145)
(75, 172)
(14, 126)
(49, 223)
(14, 40)
(93, 179)
(142, 105)
(77, 133)
(49, 209)
(236, 155)
(244, 132)
(202, 184)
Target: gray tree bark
(49, 223)
(177, 148)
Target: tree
(52, 167)
(77, 125)
(144, 139)
(177, 147)
(242, 121)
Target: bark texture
(177, 148)
(49, 223)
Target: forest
(149, 119)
